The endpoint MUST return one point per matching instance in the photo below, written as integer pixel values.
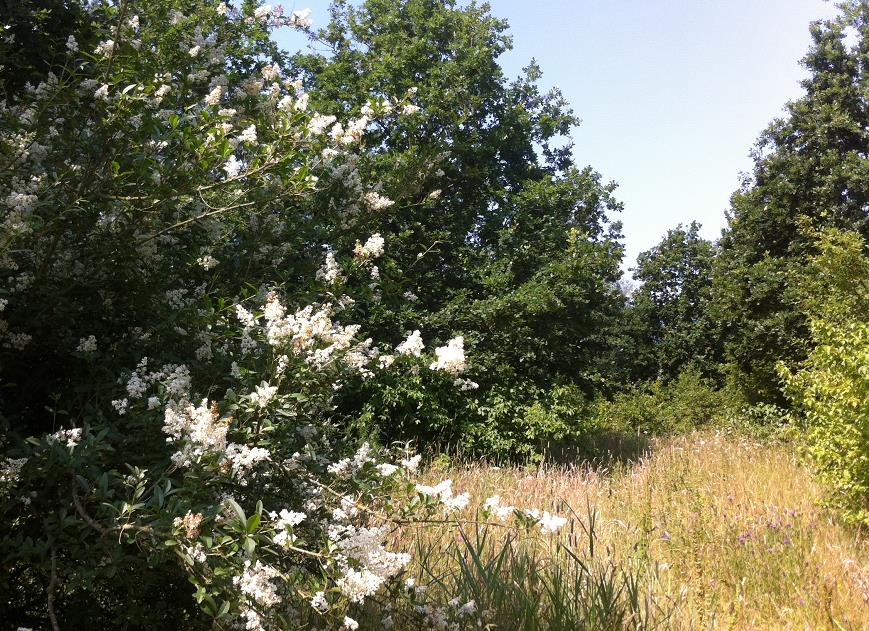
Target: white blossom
(450, 358)
(263, 394)
(550, 524)
(104, 48)
(70, 437)
(386, 469)
(494, 506)
(287, 518)
(10, 472)
(319, 602)
(301, 19)
(372, 248)
(413, 345)
(262, 12)
(271, 72)
(248, 135)
(257, 582)
(329, 272)
(232, 167)
(412, 463)
(87, 344)
(242, 458)
(376, 201)
(213, 97)
(120, 406)
(207, 262)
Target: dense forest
(250, 296)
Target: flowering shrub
(176, 327)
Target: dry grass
(719, 532)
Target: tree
(814, 163)
(669, 311)
(492, 227)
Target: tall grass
(707, 531)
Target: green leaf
(253, 522)
(239, 511)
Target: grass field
(707, 531)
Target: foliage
(814, 162)
(176, 331)
(831, 386)
(33, 39)
(657, 407)
(668, 320)
(500, 237)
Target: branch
(90, 521)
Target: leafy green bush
(656, 407)
(762, 421)
(831, 387)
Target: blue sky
(672, 93)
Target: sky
(672, 93)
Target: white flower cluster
(372, 248)
(200, 426)
(450, 616)
(443, 492)
(376, 201)
(262, 394)
(347, 466)
(413, 345)
(451, 358)
(301, 18)
(330, 272)
(176, 379)
(87, 344)
(548, 523)
(257, 583)
(69, 437)
(312, 334)
(10, 471)
(284, 523)
(243, 459)
(494, 506)
(372, 564)
(207, 262)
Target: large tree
(669, 318)
(493, 226)
(812, 163)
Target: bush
(657, 407)
(831, 387)
(173, 336)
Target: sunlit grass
(708, 531)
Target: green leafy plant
(831, 387)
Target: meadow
(711, 530)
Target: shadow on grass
(602, 447)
